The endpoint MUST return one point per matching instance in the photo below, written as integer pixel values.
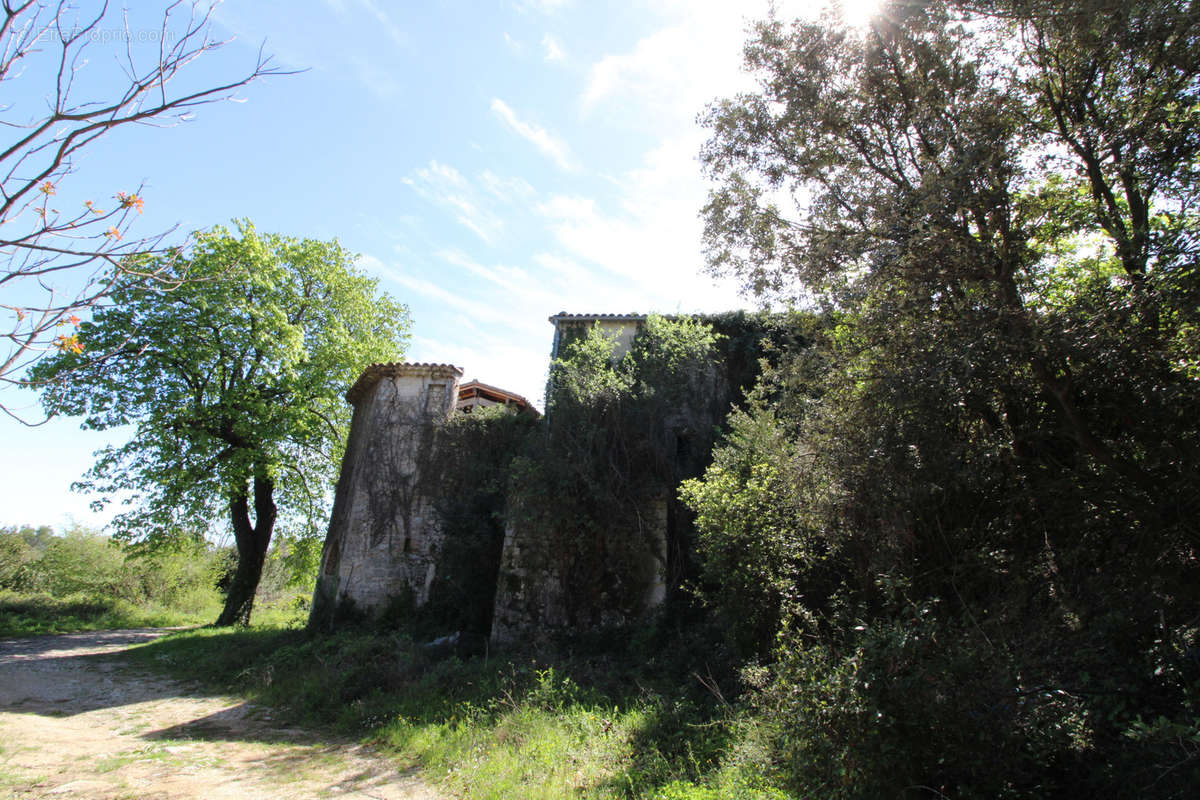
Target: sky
(492, 162)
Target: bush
(82, 579)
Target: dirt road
(75, 724)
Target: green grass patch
(579, 723)
(34, 614)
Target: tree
(61, 254)
(986, 503)
(234, 381)
(954, 153)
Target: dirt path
(76, 726)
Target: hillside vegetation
(83, 580)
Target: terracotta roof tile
(565, 317)
(473, 384)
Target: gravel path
(75, 724)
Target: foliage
(589, 497)
(82, 580)
(960, 542)
(61, 253)
(760, 560)
(233, 381)
(84, 561)
(19, 547)
(582, 721)
(467, 477)
(23, 614)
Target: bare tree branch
(57, 263)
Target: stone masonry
(383, 537)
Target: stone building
(621, 328)
(474, 394)
(383, 537)
(386, 543)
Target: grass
(11, 782)
(35, 614)
(153, 752)
(578, 722)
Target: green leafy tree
(979, 520)
(234, 384)
(948, 162)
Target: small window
(435, 398)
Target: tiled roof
(565, 317)
(465, 387)
(372, 375)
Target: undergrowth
(576, 722)
(33, 614)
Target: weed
(575, 723)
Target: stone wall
(560, 566)
(533, 590)
(383, 536)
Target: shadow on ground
(65, 675)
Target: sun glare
(857, 13)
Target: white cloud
(507, 190)
(695, 58)
(513, 44)
(552, 49)
(650, 242)
(369, 263)
(472, 309)
(445, 186)
(444, 174)
(674, 72)
(511, 278)
(548, 144)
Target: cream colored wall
(386, 538)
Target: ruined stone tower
(383, 536)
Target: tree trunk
(252, 542)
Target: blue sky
(493, 163)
